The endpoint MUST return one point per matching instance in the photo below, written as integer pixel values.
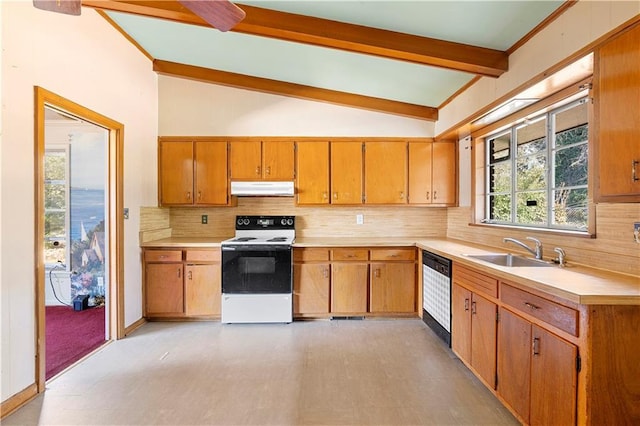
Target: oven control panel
(265, 222)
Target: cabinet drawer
(163, 255)
(475, 281)
(202, 256)
(393, 254)
(310, 254)
(350, 254)
(559, 316)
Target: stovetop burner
(277, 239)
(243, 239)
(263, 230)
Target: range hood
(262, 189)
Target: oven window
(257, 265)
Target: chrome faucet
(537, 252)
(561, 256)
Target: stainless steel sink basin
(509, 260)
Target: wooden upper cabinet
(617, 94)
(432, 173)
(268, 160)
(312, 172)
(211, 184)
(278, 160)
(192, 173)
(175, 172)
(385, 171)
(346, 172)
(245, 160)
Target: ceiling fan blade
(221, 14)
(68, 7)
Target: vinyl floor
(341, 372)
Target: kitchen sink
(509, 260)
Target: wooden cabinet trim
(202, 255)
(350, 254)
(475, 281)
(310, 254)
(393, 254)
(163, 255)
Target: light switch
(126, 212)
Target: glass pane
(54, 237)
(500, 208)
(54, 251)
(570, 208)
(571, 166)
(571, 125)
(531, 208)
(531, 173)
(500, 148)
(532, 137)
(54, 165)
(500, 177)
(54, 224)
(54, 196)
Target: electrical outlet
(636, 232)
(205, 219)
(126, 212)
(359, 219)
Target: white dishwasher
(436, 294)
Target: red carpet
(71, 335)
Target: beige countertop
(574, 283)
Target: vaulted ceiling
(401, 57)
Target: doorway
(79, 235)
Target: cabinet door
(278, 160)
(176, 172)
(245, 160)
(311, 288)
(483, 338)
(164, 292)
(346, 173)
(420, 191)
(619, 112)
(443, 176)
(202, 290)
(553, 380)
(349, 287)
(385, 172)
(461, 322)
(312, 174)
(393, 287)
(211, 173)
(514, 363)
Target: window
(537, 171)
(56, 200)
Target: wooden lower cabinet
(354, 281)
(202, 290)
(537, 374)
(474, 330)
(392, 287)
(349, 288)
(164, 293)
(311, 283)
(182, 283)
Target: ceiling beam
(299, 91)
(332, 34)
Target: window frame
(57, 148)
(481, 138)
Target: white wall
(86, 61)
(192, 108)
(577, 27)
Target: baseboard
(18, 400)
(133, 327)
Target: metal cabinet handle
(536, 346)
(435, 194)
(258, 170)
(325, 272)
(268, 170)
(188, 195)
(401, 195)
(634, 176)
(199, 195)
(179, 272)
(376, 273)
(531, 305)
(428, 195)
(473, 308)
(189, 275)
(466, 304)
(325, 195)
(335, 195)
